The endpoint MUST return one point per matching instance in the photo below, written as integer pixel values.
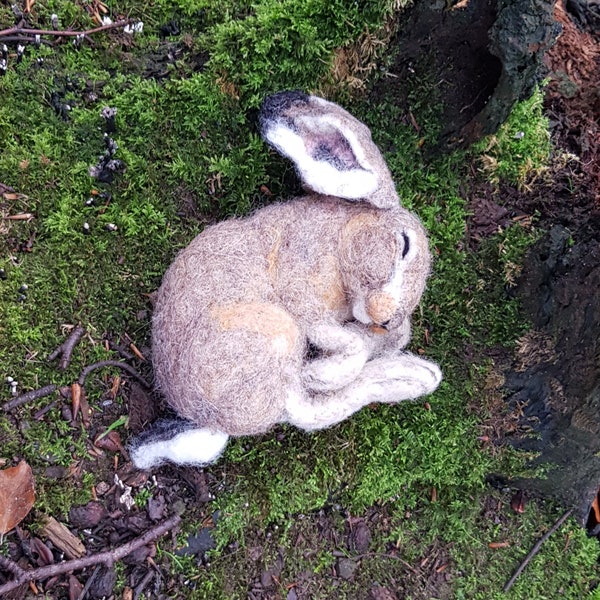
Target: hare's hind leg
(179, 442)
(387, 379)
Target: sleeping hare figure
(298, 313)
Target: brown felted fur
(238, 307)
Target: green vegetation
(185, 132)
(520, 151)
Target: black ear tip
(275, 104)
(161, 430)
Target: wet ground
(564, 266)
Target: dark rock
(346, 567)
(156, 507)
(557, 373)
(360, 538)
(88, 515)
(56, 472)
(198, 544)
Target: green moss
(520, 151)
(186, 134)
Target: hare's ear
(332, 151)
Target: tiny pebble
(66, 414)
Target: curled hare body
(299, 313)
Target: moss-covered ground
(186, 133)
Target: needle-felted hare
(298, 313)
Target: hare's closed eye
(406, 248)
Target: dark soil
(555, 377)
(484, 56)
(565, 379)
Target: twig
(39, 415)
(112, 363)
(536, 549)
(29, 396)
(340, 554)
(139, 589)
(109, 557)
(9, 565)
(67, 347)
(122, 351)
(390, 556)
(61, 32)
(23, 38)
(88, 583)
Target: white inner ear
(321, 176)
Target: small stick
(20, 217)
(377, 555)
(67, 347)
(139, 590)
(23, 38)
(60, 33)
(112, 363)
(12, 567)
(88, 583)
(39, 415)
(108, 557)
(122, 351)
(536, 549)
(29, 396)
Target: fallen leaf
(518, 502)
(111, 442)
(17, 495)
(75, 588)
(41, 552)
(75, 399)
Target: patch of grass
(185, 131)
(520, 151)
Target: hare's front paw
(331, 373)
